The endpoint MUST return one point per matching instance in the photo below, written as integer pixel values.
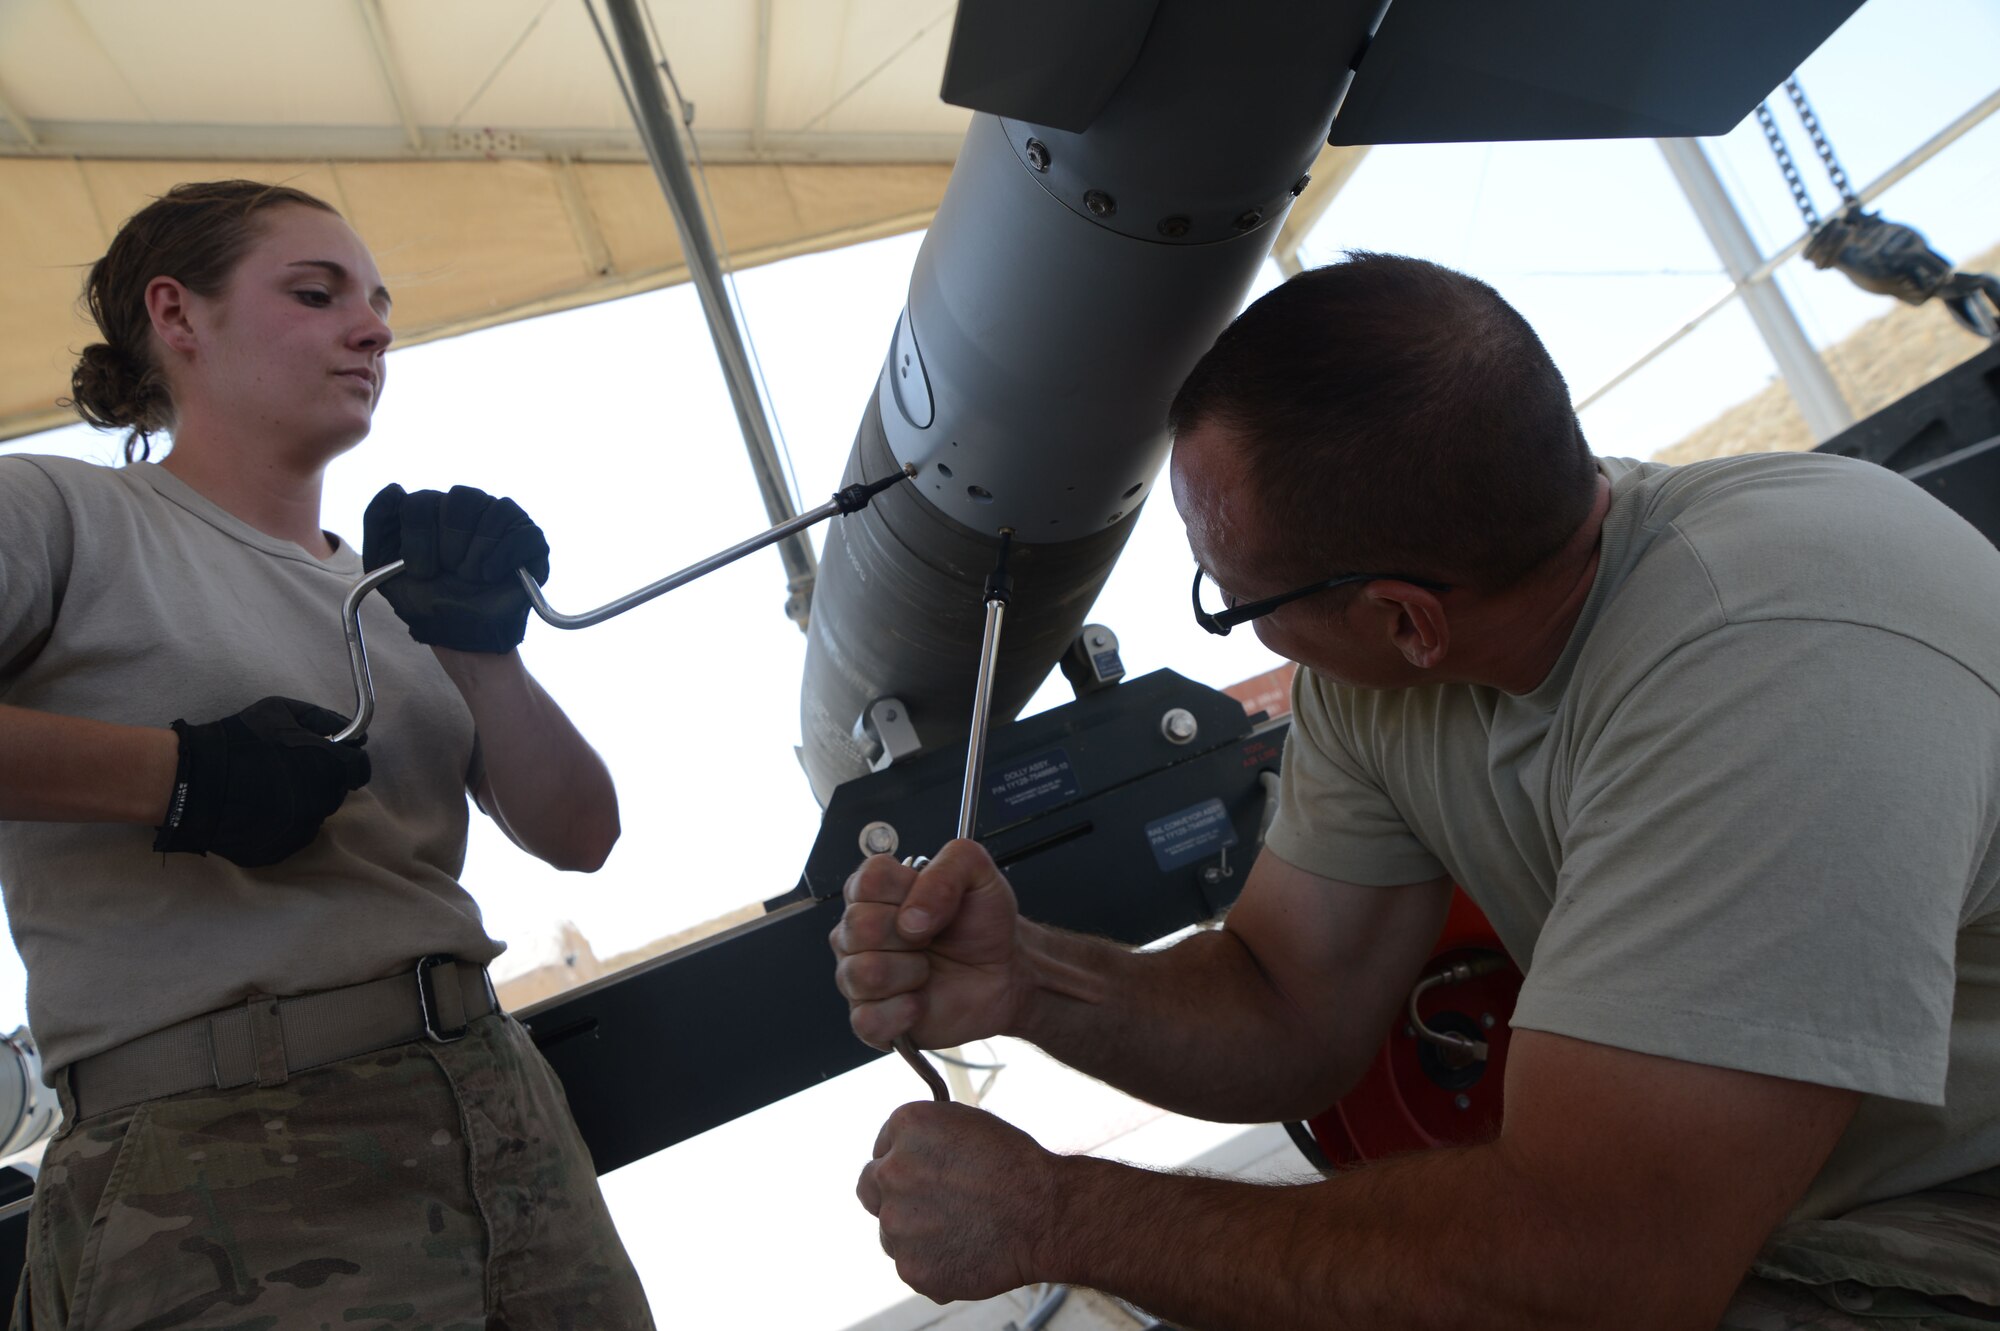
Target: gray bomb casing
(1047, 328)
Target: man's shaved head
(1389, 414)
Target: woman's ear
(167, 305)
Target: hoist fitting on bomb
(1000, 583)
(854, 498)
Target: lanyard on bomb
(851, 499)
(998, 590)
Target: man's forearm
(1447, 1239)
(552, 793)
(69, 769)
(1195, 1028)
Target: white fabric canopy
(481, 147)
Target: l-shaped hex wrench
(850, 499)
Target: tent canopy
(481, 147)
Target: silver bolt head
(1463, 1102)
(1173, 228)
(1250, 219)
(879, 838)
(1038, 154)
(1179, 726)
(1099, 203)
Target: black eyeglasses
(1220, 622)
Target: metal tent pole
(1820, 401)
(661, 135)
(1919, 155)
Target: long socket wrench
(999, 588)
(851, 499)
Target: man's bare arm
(1626, 1191)
(1270, 1017)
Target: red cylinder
(1411, 1098)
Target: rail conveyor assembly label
(1194, 833)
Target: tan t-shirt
(127, 597)
(1750, 818)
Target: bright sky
(612, 426)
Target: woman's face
(292, 347)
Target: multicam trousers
(1926, 1262)
(424, 1186)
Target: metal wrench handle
(848, 499)
(905, 1045)
(998, 589)
(926, 1069)
(357, 650)
(851, 499)
(672, 580)
(982, 710)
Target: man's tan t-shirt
(1748, 820)
(125, 596)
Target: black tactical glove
(254, 787)
(458, 587)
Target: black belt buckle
(427, 1001)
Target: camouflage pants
(425, 1186)
(1926, 1262)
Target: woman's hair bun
(115, 390)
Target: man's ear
(167, 305)
(1417, 623)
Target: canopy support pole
(661, 135)
(1819, 398)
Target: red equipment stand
(1412, 1097)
